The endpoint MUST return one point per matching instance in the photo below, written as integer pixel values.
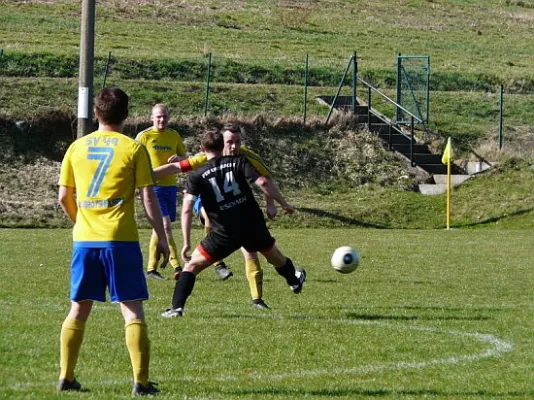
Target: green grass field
(430, 314)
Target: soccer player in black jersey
(236, 218)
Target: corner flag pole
(449, 191)
(446, 159)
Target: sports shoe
(223, 271)
(259, 304)
(155, 275)
(141, 390)
(173, 313)
(68, 386)
(177, 272)
(301, 275)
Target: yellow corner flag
(448, 154)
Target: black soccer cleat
(155, 275)
(141, 390)
(259, 304)
(68, 386)
(223, 272)
(301, 276)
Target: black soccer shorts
(217, 246)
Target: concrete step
(455, 179)
(474, 167)
(432, 189)
(441, 184)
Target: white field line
(496, 347)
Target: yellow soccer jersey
(105, 168)
(161, 146)
(192, 163)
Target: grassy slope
(461, 36)
(499, 199)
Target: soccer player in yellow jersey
(232, 147)
(99, 175)
(163, 144)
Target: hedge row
(230, 71)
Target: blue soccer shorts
(197, 207)
(167, 200)
(118, 268)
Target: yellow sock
(71, 340)
(139, 348)
(153, 254)
(255, 278)
(174, 260)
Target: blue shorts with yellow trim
(167, 200)
(117, 266)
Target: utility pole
(87, 52)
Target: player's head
(232, 140)
(160, 117)
(111, 106)
(212, 141)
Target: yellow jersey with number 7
(105, 168)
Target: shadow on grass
(340, 218)
(370, 317)
(496, 219)
(295, 393)
(379, 317)
(453, 309)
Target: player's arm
(167, 169)
(270, 190)
(187, 215)
(179, 150)
(258, 163)
(67, 201)
(153, 214)
(67, 186)
(270, 207)
(185, 165)
(265, 184)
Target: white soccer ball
(345, 259)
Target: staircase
(397, 139)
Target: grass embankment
(461, 37)
(342, 177)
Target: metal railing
(413, 118)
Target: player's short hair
(112, 105)
(212, 140)
(161, 106)
(234, 128)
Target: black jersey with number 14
(223, 185)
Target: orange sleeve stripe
(185, 165)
